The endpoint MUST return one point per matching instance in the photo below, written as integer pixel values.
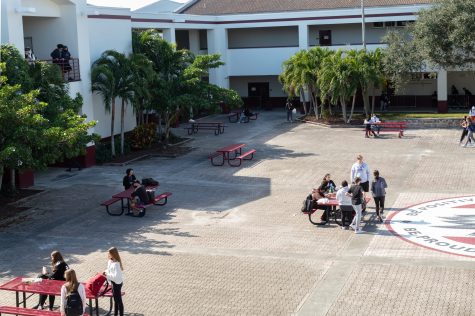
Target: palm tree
(143, 76)
(337, 80)
(300, 74)
(123, 85)
(103, 83)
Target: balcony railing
(69, 69)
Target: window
(401, 23)
(390, 24)
(378, 25)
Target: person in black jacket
(58, 267)
(129, 179)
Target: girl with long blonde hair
(114, 275)
(70, 290)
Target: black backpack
(149, 182)
(307, 204)
(74, 304)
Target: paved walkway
(232, 240)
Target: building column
(194, 41)
(303, 36)
(218, 44)
(442, 104)
(169, 35)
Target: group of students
(468, 125)
(139, 194)
(351, 199)
(73, 290)
(372, 127)
(61, 57)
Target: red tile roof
(219, 7)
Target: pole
(363, 28)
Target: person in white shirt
(114, 275)
(471, 113)
(70, 288)
(346, 208)
(360, 169)
(376, 124)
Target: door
(258, 93)
(325, 37)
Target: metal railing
(69, 68)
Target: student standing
(356, 193)
(360, 169)
(114, 275)
(73, 295)
(378, 189)
(346, 208)
(289, 107)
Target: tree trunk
(315, 103)
(112, 127)
(302, 95)
(372, 103)
(160, 132)
(12, 187)
(352, 108)
(343, 108)
(365, 101)
(122, 127)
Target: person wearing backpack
(115, 277)
(73, 295)
(58, 267)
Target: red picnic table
(127, 196)
(48, 287)
(331, 204)
(225, 153)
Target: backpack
(74, 305)
(149, 182)
(94, 285)
(307, 204)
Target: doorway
(258, 93)
(325, 37)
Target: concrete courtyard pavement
(232, 241)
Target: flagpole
(363, 27)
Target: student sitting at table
(129, 179)
(139, 196)
(346, 208)
(73, 295)
(320, 193)
(58, 268)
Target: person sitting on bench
(320, 193)
(246, 114)
(139, 196)
(129, 179)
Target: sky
(133, 4)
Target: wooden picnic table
(48, 287)
(194, 127)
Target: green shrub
(143, 136)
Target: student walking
(464, 125)
(378, 189)
(114, 275)
(356, 193)
(73, 295)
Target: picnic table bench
(390, 126)
(233, 154)
(10, 310)
(235, 116)
(217, 127)
(125, 196)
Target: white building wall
(11, 24)
(114, 34)
(258, 61)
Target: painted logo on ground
(446, 225)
